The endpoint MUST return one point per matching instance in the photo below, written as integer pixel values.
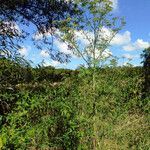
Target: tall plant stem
(94, 107)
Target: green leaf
(1, 143)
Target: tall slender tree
(146, 72)
(90, 37)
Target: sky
(128, 43)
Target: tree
(44, 14)
(90, 38)
(146, 70)
(96, 27)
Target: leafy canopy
(91, 33)
(43, 14)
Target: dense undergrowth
(45, 108)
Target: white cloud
(24, 50)
(142, 44)
(44, 53)
(129, 47)
(121, 39)
(138, 45)
(127, 63)
(105, 33)
(115, 4)
(63, 47)
(5, 53)
(46, 63)
(55, 63)
(84, 37)
(107, 53)
(128, 56)
(2, 53)
(52, 63)
(100, 55)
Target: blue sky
(129, 43)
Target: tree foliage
(97, 27)
(146, 71)
(89, 39)
(43, 14)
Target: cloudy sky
(128, 43)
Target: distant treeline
(14, 73)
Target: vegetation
(146, 70)
(98, 27)
(42, 113)
(45, 16)
(99, 107)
